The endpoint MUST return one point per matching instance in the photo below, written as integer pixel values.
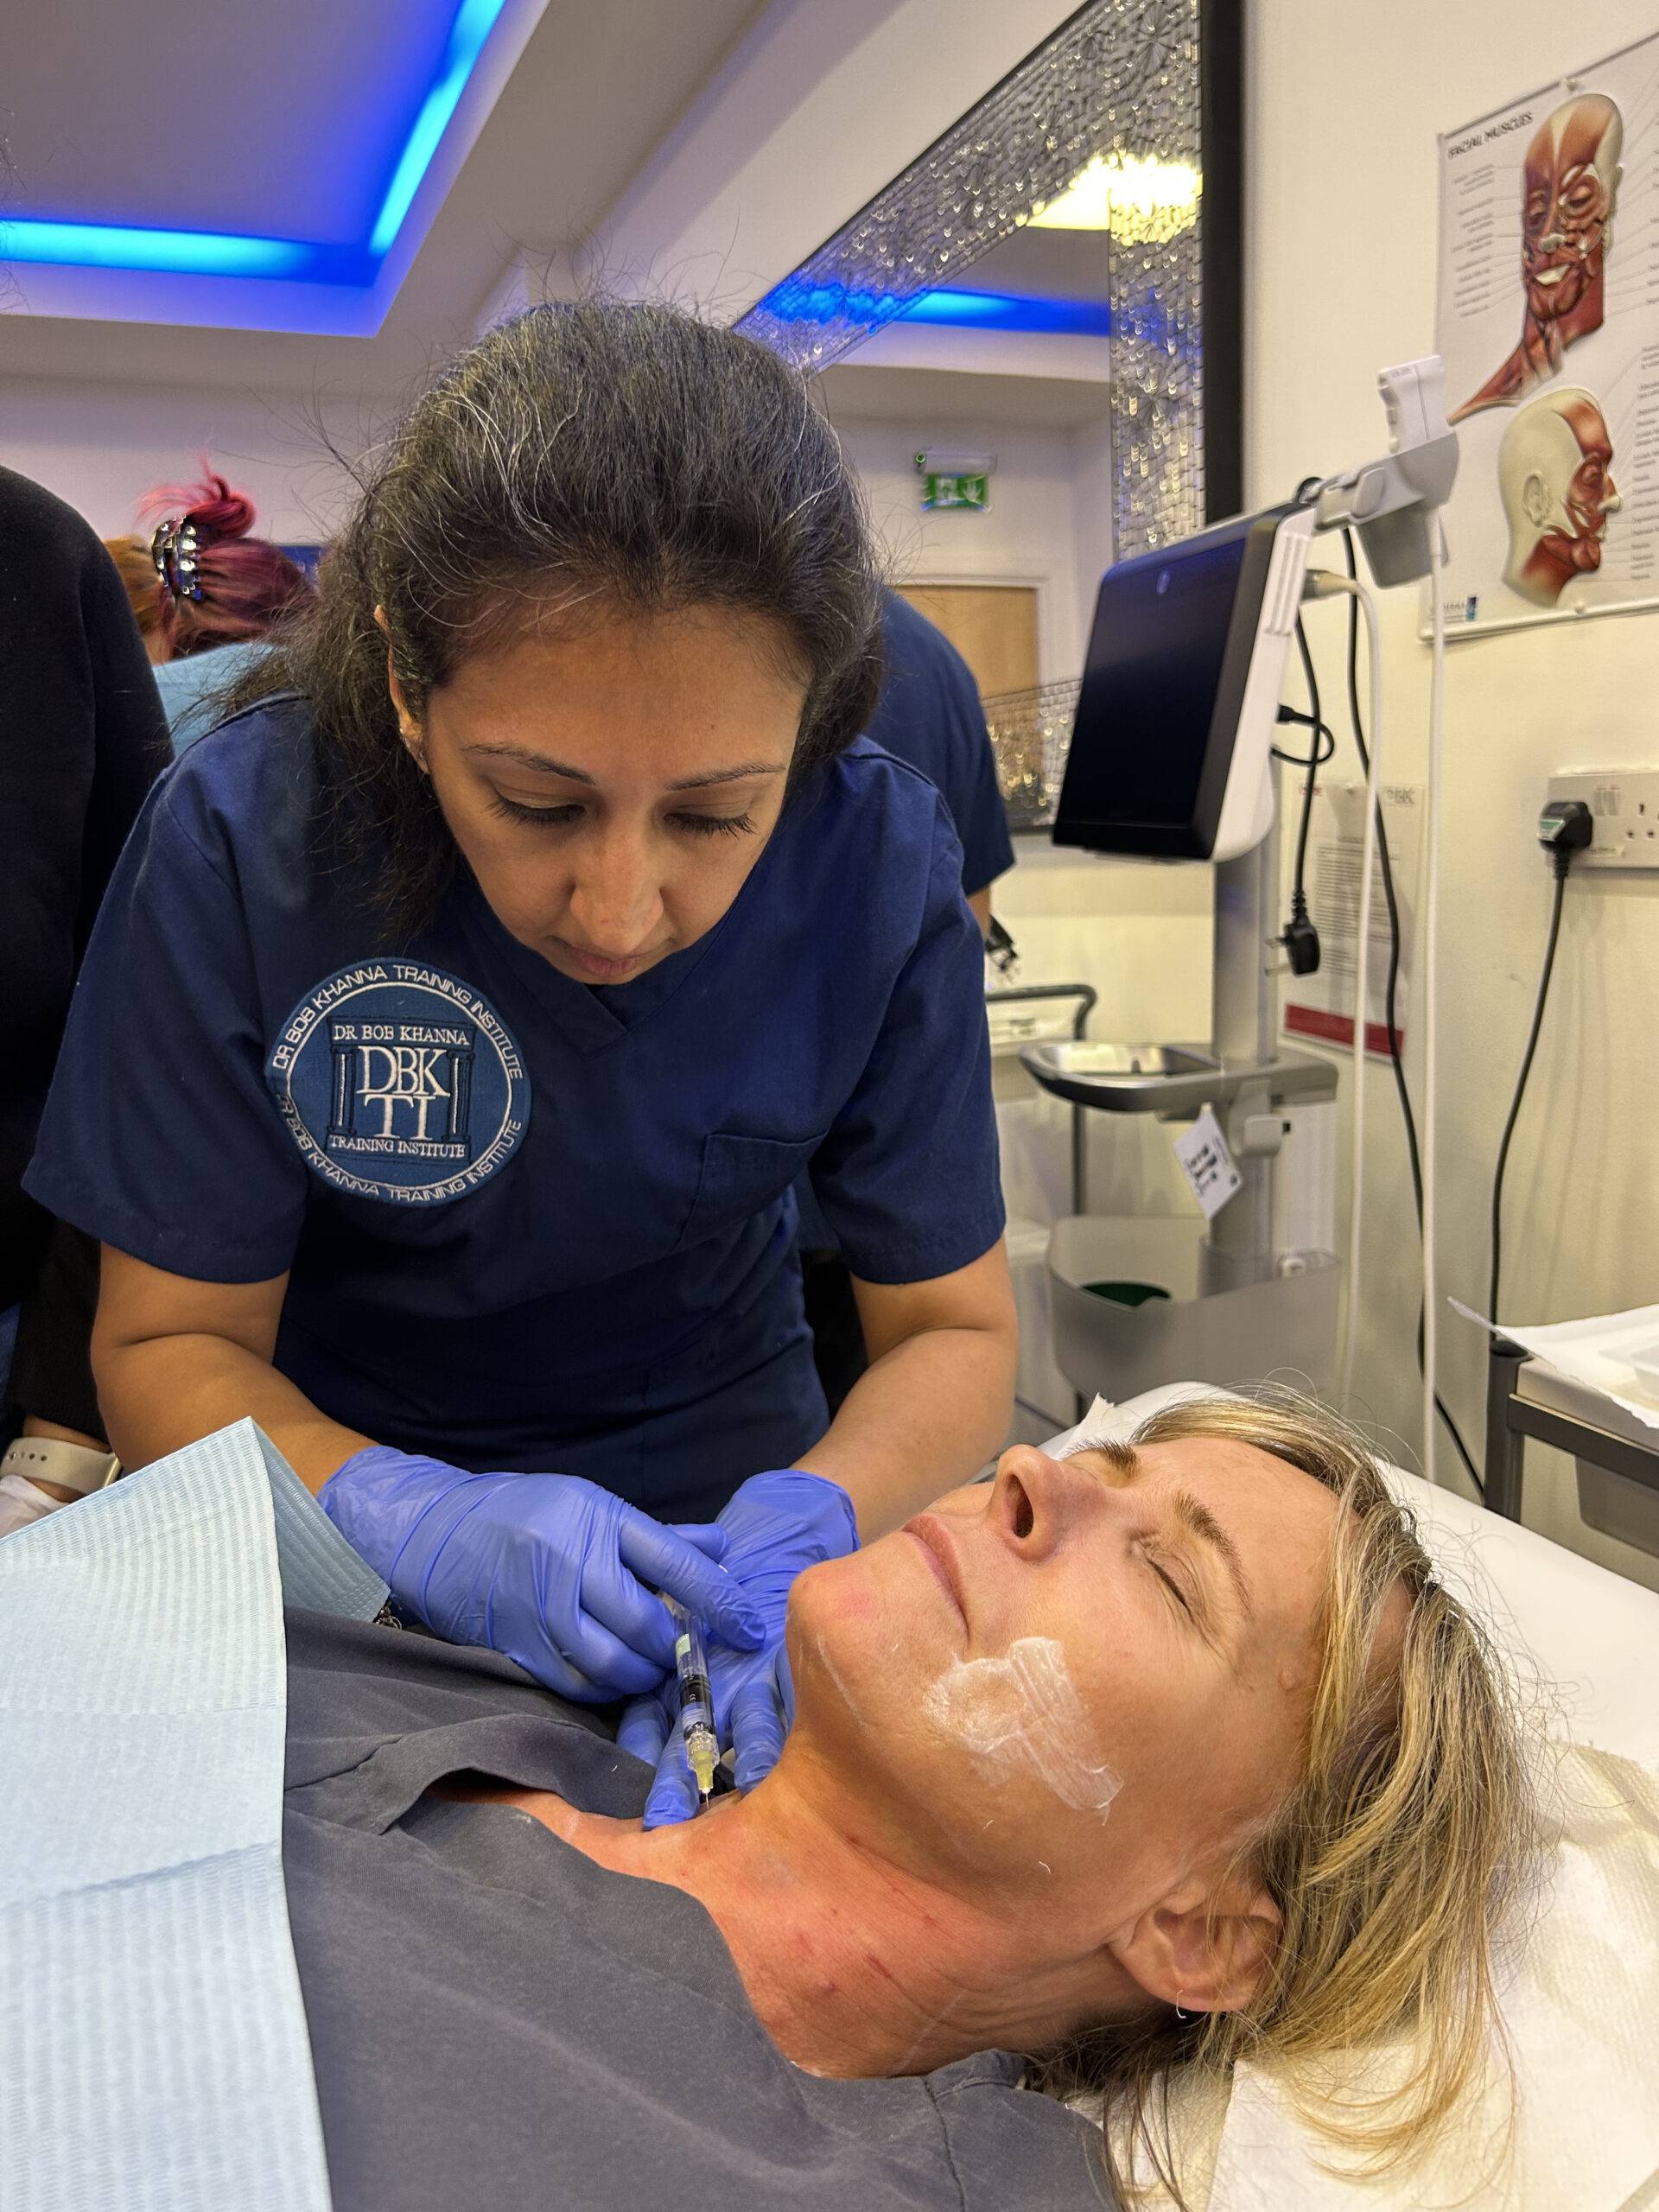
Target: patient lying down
(1125, 1763)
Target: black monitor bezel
(1195, 838)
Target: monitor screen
(1152, 742)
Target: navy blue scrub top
(929, 714)
(530, 1224)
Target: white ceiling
(946, 398)
(196, 116)
(1054, 264)
(191, 118)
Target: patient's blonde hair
(1394, 1859)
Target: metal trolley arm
(1086, 998)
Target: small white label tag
(1207, 1164)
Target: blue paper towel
(152, 2043)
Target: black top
(82, 738)
(496, 2020)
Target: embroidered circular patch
(399, 1081)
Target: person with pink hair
(209, 595)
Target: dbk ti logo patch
(396, 1081)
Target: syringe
(696, 1702)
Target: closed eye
(543, 817)
(1171, 1585)
(714, 825)
(510, 810)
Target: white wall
(1340, 280)
(102, 447)
(1025, 535)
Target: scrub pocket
(741, 1177)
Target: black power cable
(1306, 821)
(1385, 868)
(1565, 828)
(1324, 741)
(1547, 970)
(1301, 939)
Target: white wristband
(55, 1460)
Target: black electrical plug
(1565, 827)
(1301, 939)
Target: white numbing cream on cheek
(1021, 1713)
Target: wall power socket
(1624, 805)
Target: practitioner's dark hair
(628, 453)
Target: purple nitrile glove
(761, 1712)
(548, 1569)
(777, 1525)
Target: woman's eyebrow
(1191, 1513)
(1121, 1455)
(1200, 1523)
(523, 758)
(730, 775)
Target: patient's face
(1083, 1667)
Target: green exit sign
(956, 488)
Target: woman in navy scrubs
(463, 1008)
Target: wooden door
(993, 627)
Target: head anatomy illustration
(1569, 183)
(1555, 476)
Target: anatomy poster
(1321, 1005)
(1548, 325)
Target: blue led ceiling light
(115, 245)
(215, 253)
(795, 301)
(1011, 311)
(474, 20)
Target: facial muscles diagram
(1554, 475)
(1569, 184)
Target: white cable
(1431, 942)
(1325, 583)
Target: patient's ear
(1204, 1946)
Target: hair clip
(175, 551)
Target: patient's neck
(857, 1963)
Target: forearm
(164, 1392)
(924, 1419)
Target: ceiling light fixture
(1138, 202)
(118, 245)
(216, 253)
(1012, 311)
(474, 20)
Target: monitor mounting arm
(1393, 503)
